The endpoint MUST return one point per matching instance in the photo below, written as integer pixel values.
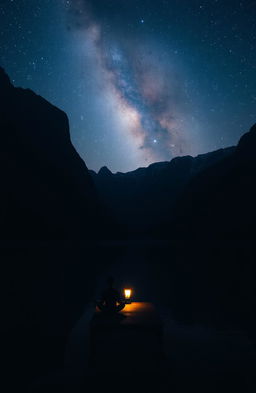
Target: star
(135, 94)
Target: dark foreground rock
(129, 340)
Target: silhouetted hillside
(49, 219)
(213, 232)
(47, 193)
(142, 200)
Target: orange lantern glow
(127, 295)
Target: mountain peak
(247, 144)
(104, 171)
(5, 81)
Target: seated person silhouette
(110, 301)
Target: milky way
(146, 87)
(140, 80)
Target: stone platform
(131, 339)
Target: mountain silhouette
(50, 217)
(213, 232)
(47, 192)
(142, 200)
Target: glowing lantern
(127, 295)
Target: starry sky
(140, 80)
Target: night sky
(141, 80)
